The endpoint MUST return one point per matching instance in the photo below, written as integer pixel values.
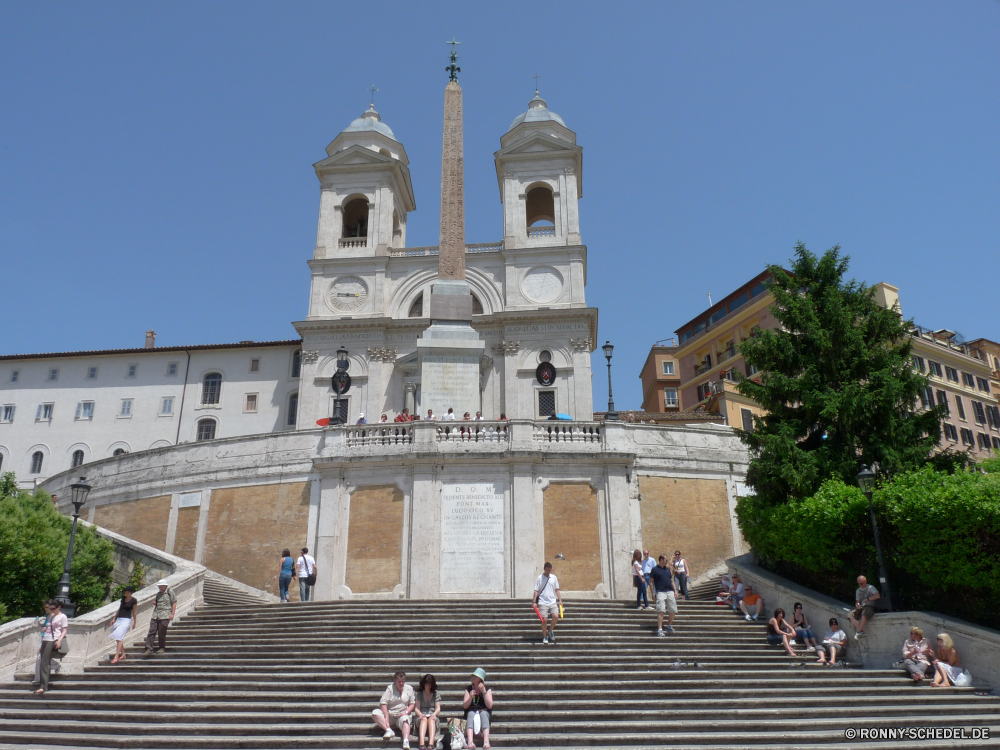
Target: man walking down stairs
(306, 675)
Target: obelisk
(450, 349)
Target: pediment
(353, 155)
(539, 142)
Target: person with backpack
(306, 565)
(164, 610)
(53, 637)
(547, 601)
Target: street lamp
(341, 384)
(866, 481)
(78, 496)
(612, 415)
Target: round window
(544, 356)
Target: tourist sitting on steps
(478, 705)
(736, 592)
(666, 600)
(947, 666)
(779, 631)
(639, 581)
(802, 629)
(864, 607)
(918, 655)
(750, 599)
(428, 709)
(547, 599)
(833, 644)
(395, 708)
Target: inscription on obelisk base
(472, 540)
(450, 348)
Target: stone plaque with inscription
(472, 538)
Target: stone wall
(572, 530)
(691, 515)
(144, 520)
(374, 540)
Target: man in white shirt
(306, 565)
(396, 708)
(450, 416)
(648, 563)
(548, 599)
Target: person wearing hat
(306, 565)
(164, 609)
(361, 419)
(478, 705)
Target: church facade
(425, 509)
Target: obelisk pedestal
(450, 349)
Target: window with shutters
(211, 389)
(704, 391)
(54, 374)
(254, 365)
(44, 412)
(546, 403)
(968, 380)
(960, 406)
(36, 462)
(670, 397)
(171, 369)
(77, 458)
(206, 429)
(996, 445)
(14, 375)
(950, 432)
(747, 420)
(984, 441)
(85, 410)
(934, 368)
(952, 374)
(942, 399)
(132, 369)
(293, 410)
(993, 415)
(978, 412)
(91, 373)
(7, 413)
(967, 438)
(984, 384)
(918, 363)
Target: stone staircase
(308, 675)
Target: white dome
(370, 120)
(537, 112)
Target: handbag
(63, 648)
(311, 578)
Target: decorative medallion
(340, 382)
(348, 294)
(545, 373)
(542, 284)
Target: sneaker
(660, 634)
(545, 639)
(755, 617)
(389, 734)
(406, 745)
(748, 618)
(669, 629)
(552, 638)
(860, 634)
(811, 648)
(147, 651)
(161, 651)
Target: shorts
(866, 611)
(548, 610)
(774, 640)
(396, 721)
(666, 602)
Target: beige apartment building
(963, 377)
(661, 381)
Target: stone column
(409, 396)
(451, 261)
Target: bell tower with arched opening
(539, 170)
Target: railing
(566, 432)
(420, 252)
(473, 432)
(726, 354)
(353, 242)
(699, 369)
(541, 232)
(378, 434)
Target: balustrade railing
(566, 432)
(419, 252)
(534, 232)
(473, 432)
(353, 242)
(379, 434)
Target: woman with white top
(947, 666)
(639, 581)
(53, 632)
(832, 645)
(124, 622)
(681, 574)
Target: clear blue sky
(155, 158)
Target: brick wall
(143, 520)
(186, 536)
(691, 515)
(375, 539)
(571, 528)
(247, 528)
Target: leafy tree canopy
(34, 538)
(837, 383)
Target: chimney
(150, 339)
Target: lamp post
(612, 415)
(341, 385)
(866, 481)
(78, 497)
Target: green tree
(837, 383)
(34, 538)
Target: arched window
(293, 410)
(296, 363)
(539, 206)
(477, 306)
(211, 389)
(206, 429)
(417, 308)
(1, 460)
(356, 218)
(77, 458)
(118, 452)
(36, 462)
